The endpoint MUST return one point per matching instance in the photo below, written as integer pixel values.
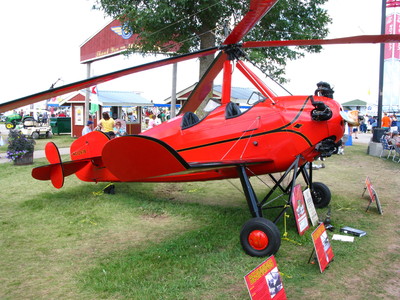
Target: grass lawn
(181, 240)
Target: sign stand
(285, 234)
(313, 257)
(372, 194)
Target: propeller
(360, 39)
(258, 8)
(86, 83)
(204, 86)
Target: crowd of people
(113, 128)
(367, 124)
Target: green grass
(181, 241)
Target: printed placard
(265, 282)
(370, 189)
(79, 111)
(372, 195)
(312, 213)
(299, 209)
(322, 246)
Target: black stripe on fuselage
(279, 129)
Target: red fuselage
(276, 133)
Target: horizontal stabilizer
(69, 167)
(57, 170)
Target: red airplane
(277, 134)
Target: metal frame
(256, 207)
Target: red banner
(389, 29)
(392, 50)
(392, 3)
(397, 30)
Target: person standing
(106, 123)
(393, 125)
(153, 122)
(386, 122)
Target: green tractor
(13, 120)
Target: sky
(42, 38)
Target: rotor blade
(360, 39)
(65, 89)
(258, 8)
(205, 84)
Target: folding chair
(386, 146)
(396, 153)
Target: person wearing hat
(88, 128)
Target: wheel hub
(258, 239)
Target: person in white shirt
(88, 128)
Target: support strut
(256, 207)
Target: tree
(200, 24)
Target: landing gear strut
(261, 237)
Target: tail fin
(57, 170)
(83, 151)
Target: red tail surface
(86, 161)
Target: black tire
(260, 237)
(35, 135)
(321, 195)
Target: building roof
(109, 98)
(119, 98)
(238, 94)
(356, 102)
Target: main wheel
(35, 135)
(10, 125)
(260, 237)
(321, 194)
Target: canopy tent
(121, 98)
(109, 98)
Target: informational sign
(265, 282)
(322, 247)
(79, 115)
(299, 209)
(372, 195)
(114, 39)
(310, 207)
